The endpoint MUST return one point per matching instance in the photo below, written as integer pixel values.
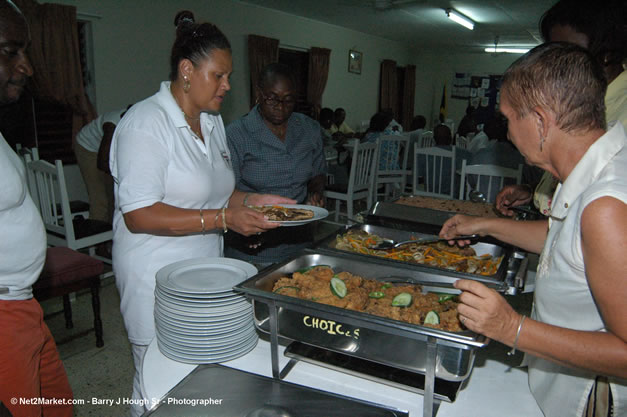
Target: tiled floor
(102, 373)
(107, 372)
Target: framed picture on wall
(354, 61)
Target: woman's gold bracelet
(513, 351)
(202, 222)
(224, 220)
(215, 219)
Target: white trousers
(137, 409)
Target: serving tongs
(392, 244)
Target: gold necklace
(181, 107)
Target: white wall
(132, 41)
(433, 69)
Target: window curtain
(409, 91)
(261, 52)
(55, 57)
(388, 94)
(318, 76)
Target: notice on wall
(481, 91)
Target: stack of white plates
(198, 317)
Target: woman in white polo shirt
(174, 185)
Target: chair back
(23, 153)
(49, 192)
(462, 142)
(392, 150)
(425, 140)
(362, 166)
(437, 166)
(488, 179)
(391, 166)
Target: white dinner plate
(204, 275)
(208, 351)
(201, 359)
(214, 314)
(234, 298)
(174, 330)
(319, 214)
(202, 309)
(206, 342)
(225, 325)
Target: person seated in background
(418, 123)
(94, 163)
(442, 136)
(326, 123)
(276, 150)
(499, 150)
(380, 126)
(340, 125)
(468, 125)
(444, 140)
(393, 126)
(379, 123)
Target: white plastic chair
(488, 179)
(462, 142)
(438, 167)
(391, 168)
(426, 140)
(359, 179)
(49, 192)
(78, 207)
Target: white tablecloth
(492, 390)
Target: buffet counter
(494, 389)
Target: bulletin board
(480, 91)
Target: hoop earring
(186, 85)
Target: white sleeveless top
(562, 295)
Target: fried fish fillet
(282, 214)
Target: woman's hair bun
(184, 17)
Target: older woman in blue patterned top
(274, 149)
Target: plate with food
(292, 214)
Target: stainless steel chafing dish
(509, 277)
(435, 353)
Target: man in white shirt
(30, 366)
(94, 171)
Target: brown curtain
(388, 94)
(409, 91)
(318, 76)
(55, 57)
(261, 52)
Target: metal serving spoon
(477, 197)
(392, 244)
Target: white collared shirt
(155, 157)
(562, 295)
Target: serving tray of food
(392, 327)
(497, 266)
(423, 214)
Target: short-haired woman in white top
(576, 337)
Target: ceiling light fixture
(493, 50)
(457, 17)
